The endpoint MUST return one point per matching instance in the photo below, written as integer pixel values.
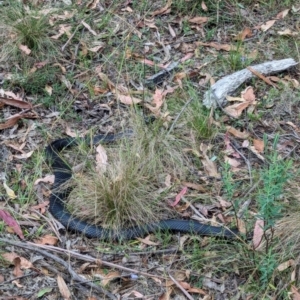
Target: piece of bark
(216, 96)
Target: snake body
(57, 207)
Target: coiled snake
(57, 207)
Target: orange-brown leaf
(16, 103)
(258, 233)
(164, 10)
(14, 119)
(198, 20)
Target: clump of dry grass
(287, 232)
(130, 191)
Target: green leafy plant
(274, 176)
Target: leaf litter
(108, 113)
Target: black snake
(63, 173)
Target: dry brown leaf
(48, 89)
(232, 162)
(15, 118)
(217, 46)
(198, 20)
(127, 99)
(106, 80)
(291, 124)
(252, 149)
(62, 68)
(66, 82)
(23, 155)
(203, 6)
(248, 94)
(194, 186)
(236, 110)
(84, 49)
(179, 196)
(17, 270)
(283, 266)
(46, 179)
(232, 99)
(245, 33)
(164, 10)
(16, 103)
(274, 78)
(241, 226)
(295, 292)
(93, 4)
(41, 207)
(10, 193)
(225, 204)
(188, 56)
(101, 159)
(25, 49)
(167, 294)
(97, 48)
(196, 291)
(258, 233)
(239, 134)
(150, 23)
(135, 294)
(107, 277)
(184, 285)
(258, 145)
(172, 31)
(63, 29)
(88, 27)
(63, 288)
(282, 14)
(267, 25)
(10, 94)
(147, 241)
(11, 222)
(98, 90)
(24, 263)
(294, 81)
(288, 32)
(158, 100)
(47, 240)
(209, 166)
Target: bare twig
(244, 158)
(230, 83)
(51, 224)
(70, 38)
(195, 210)
(180, 113)
(246, 203)
(181, 288)
(87, 258)
(62, 262)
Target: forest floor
(145, 67)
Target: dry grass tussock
(132, 189)
(287, 232)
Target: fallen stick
(65, 263)
(216, 95)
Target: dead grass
(132, 189)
